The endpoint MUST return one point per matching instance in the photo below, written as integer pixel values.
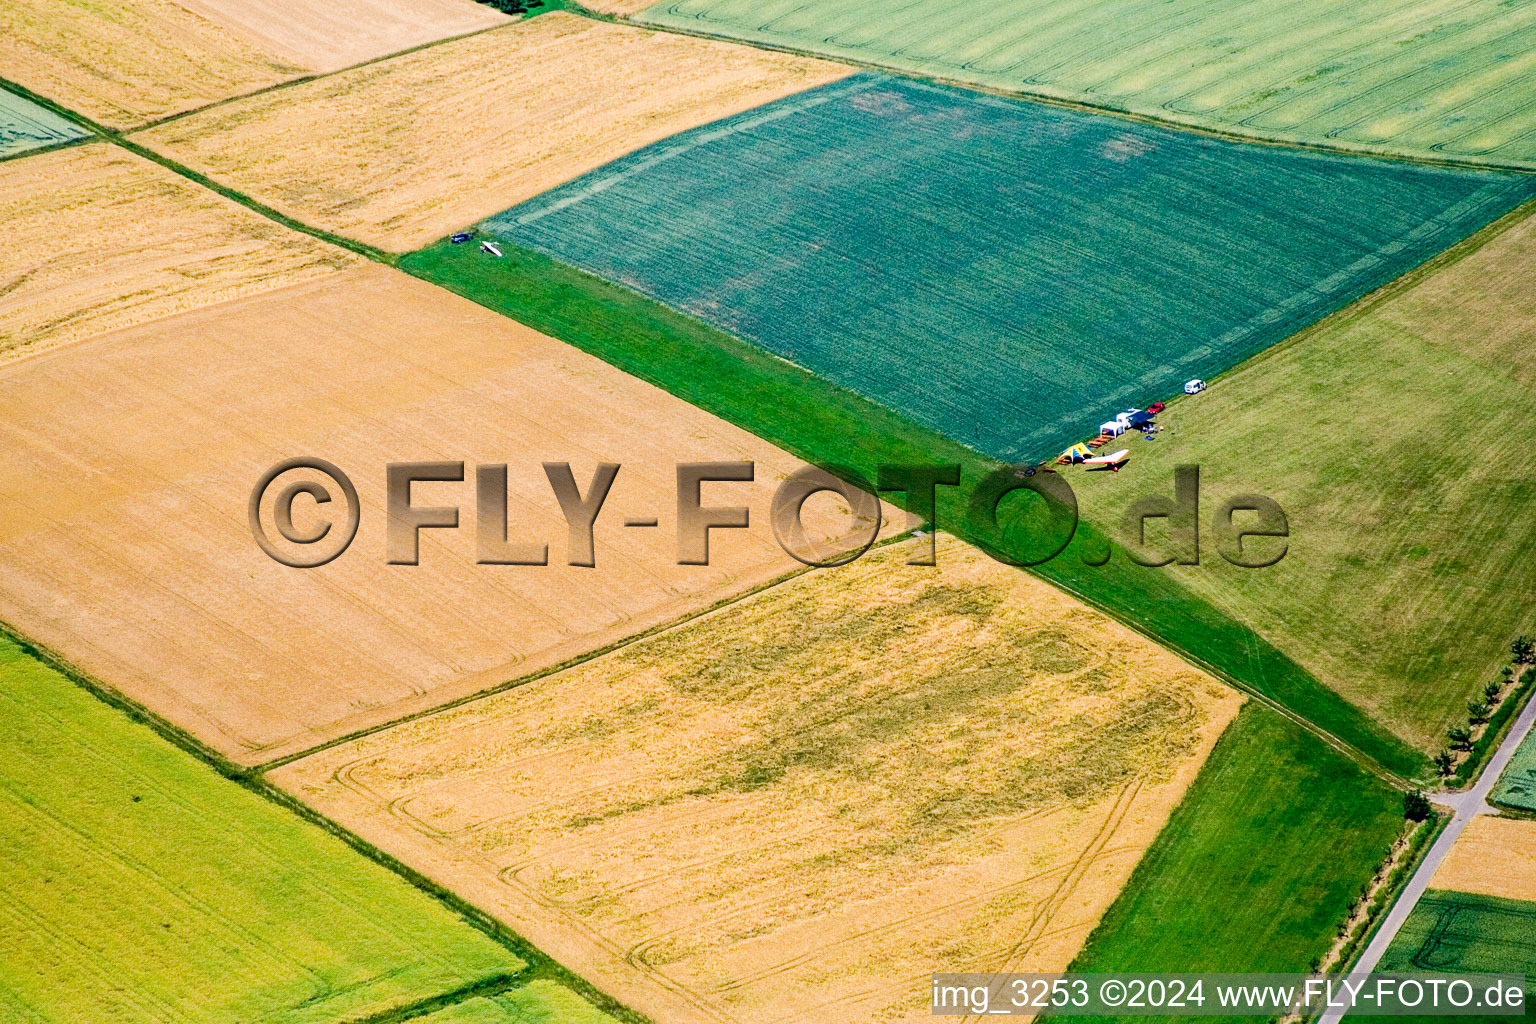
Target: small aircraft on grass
(1111, 462)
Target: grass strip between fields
(1259, 862)
(845, 433)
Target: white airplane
(1112, 462)
(492, 248)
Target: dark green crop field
(1007, 274)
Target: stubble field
(126, 465)
(98, 239)
(403, 151)
(799, 805)
(1420, 78)
(125, 62)
(1493, 857)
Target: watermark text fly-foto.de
(305, 512)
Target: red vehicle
(1156, 407)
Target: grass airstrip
(802, 803)
(1419, 78)
(1002, 272)
(142, 886)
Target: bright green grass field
(1453, 932)
(141, 886)
(1400, 441)
(25, 126)
(1418, 77)
(1257, 865)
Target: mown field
(141, 886)
(25, 125)
(1517, 786)
(1420, 78)
(149, 579)
(1004, 273)
(1462, 932)
(98, 239)
(802, 803)
(1258, 864)
(405, 150)
(1399, 441)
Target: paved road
(1464, 807)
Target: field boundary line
(1079, 105)
(539, 964)
(119, 139)
(317, 76)
(568, 663)
(1399, 285)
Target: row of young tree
(1462, 738)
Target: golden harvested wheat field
(98, 239)
(1493, 857)
(126, 464)
(324, 35)
(125, 62)
(798, 806)
(403, 151)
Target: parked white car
(1194, 387)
